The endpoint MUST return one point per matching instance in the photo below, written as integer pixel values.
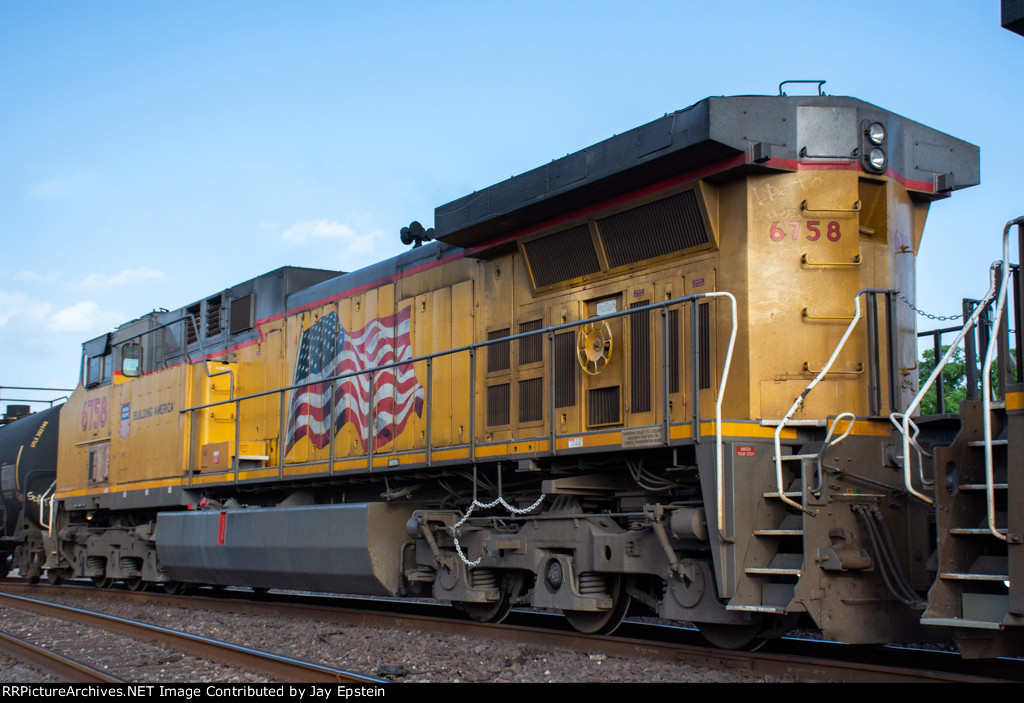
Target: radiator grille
(191, 326)
(603, 406)
(531, 400)
(497, 405)
(213, 306)
(565, 370)
(650, 230)
(498, 354)
(241, 314)
(640, 359)
(562, 256)
(704, 339)
(673, 351)
(531, 349)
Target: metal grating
(531, 349)
(213, 326)
(241, 314)
(640, 359)
(531, 400)
(704, 339)
(565, 370)
(603, 406)
(662, 227)
(498, 357)
(562, 256)
(191, 326)
(673, 351)
(497, 405)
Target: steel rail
(273, 665)
(53, 663)
(790, 659)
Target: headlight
(876, 159)
(876, 133)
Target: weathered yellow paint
(464, 332)
(1015, 401)
(451, 454)
(492, 450)
(151, 445)
(603, 439)
(794, 248)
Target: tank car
(655, 373)
(28, 471)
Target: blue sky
(153, 153)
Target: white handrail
(986, 379)
(905, 425)
(800, 399)
(719, 457)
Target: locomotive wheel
(603, 622)
(54, 577)
(175, 588)
(102, 581)
(135, 584)
(725, 636)
(499, 609)
(5, 565)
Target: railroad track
(52, 663)
(780, 660)
(273, 666)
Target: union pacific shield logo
(126, 418)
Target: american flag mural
(326, 350)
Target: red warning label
(743, 450)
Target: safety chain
(922, 313)
(943, 318)
(477, 504)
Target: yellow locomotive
(590, 392)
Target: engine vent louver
(531, 349)
(531, 400)
(565, 369)
(704, 339)
(497, 405)
(640, 366)
(603, 406)
(562, 256)
(191, 326)
(498, 358)
(213, 326)
(241, 314)
(673, 351)
(657, 228)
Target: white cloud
(311, 230)
(36, 277)
(18, 305)
(126, 277)
(83, 316)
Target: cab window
(97, 361)
(131, 359)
